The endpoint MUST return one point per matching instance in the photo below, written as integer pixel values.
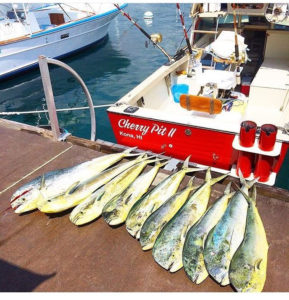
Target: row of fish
(227, 241)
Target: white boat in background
(53, 30)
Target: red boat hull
(207, 147)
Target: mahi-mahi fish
(116, 210)
(78, 192)
(247, 270)
(193, 252)
(168, 248)
(92, 206)
(225, 238)
(55, 183)
(158, 219)
(151, 201)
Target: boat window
(11, 15)
(56, 19)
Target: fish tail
(215, 180)
(247, 184)
(186, 162)
(189, 170)
(208, 175)
(249, 199)
(161, 164)
(128, 151)
(228, 188)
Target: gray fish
(193, 252)
(247, 271)
(157, 220)
(225, 238)
(151, 201)
(168, 248)
(116, 210)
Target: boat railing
(49, 97)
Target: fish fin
(217, 179)
(152, 209)
(254, 195)
(72, 188)
(227, 189)
(208, 175)
(185, 231)
(42, 184)
(186, 162)
(257, 264)
(127, 199)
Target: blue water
(110, 69)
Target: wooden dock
(40, 252)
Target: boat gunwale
(59, 27)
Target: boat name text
(144, 129)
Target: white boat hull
(21, 55)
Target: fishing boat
(53, 30)
(223, 99)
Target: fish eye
(49, 200)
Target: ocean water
(110, 69)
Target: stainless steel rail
(46, 81)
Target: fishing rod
(144, 32)
(237, 54)
(190, 65)
(184, 28)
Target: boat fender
(200, 103)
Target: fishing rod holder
(49, 97)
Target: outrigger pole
(237, 54)
(189, 72)
(144, 32)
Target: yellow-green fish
(80, 191)
(247, 271)
(116, 210)
(55, 183)
(225, 238)
(193, 252)
(91, 207)
(168, 248)
(158, 219)
(151, 201)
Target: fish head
(27, 201)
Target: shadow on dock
(15, 279)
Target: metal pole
(44, 71)
(50, 92)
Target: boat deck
(41, 252)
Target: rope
(50, 160)
(11, 113)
